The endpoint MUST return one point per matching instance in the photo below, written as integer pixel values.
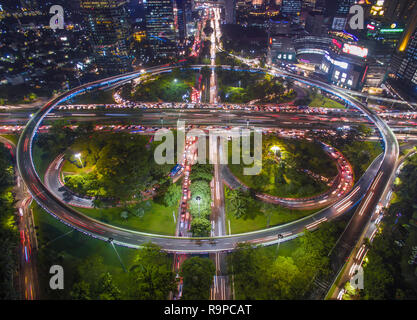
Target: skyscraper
(180, 18)
(291, 7)
(160, 27)
(183, 17)
(338, 7)
(404, 62)
(314, 5)
(29, 4)
(230, 8)
(338, 10)
(108, 26)
(343, 6)
(399, 10)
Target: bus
(176, 169)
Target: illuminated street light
(198, 199)
(78, 156)
(280, 237)
(275, 149)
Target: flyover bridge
(370, 186)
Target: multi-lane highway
(381, 169)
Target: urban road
(368, 189)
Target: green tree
(238, 202)
(202, 172)
(197, 276)
(250, 269)
(172, 195)
(200, 227)
(90, 271)
(151, 276)
(107, 289)
(80, 291)
(285, 279)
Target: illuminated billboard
(398, 30)
(337, 43)
(355, 50)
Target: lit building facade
(291, 7)
(160, 27)
(109, 31)
(404, 63)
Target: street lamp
(275, 149)
(78, 156)
(280, 237)
(111, 241)
(198, 199)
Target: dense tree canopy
(197, 276)
(200, 227)
(9, 239)
(388, 273)
(261, 274)
(122, 166)
(150, 277)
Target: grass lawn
(168, 87)
(286, 249)
(41, 160)
(74, 169)
(98, 97)
(320, 101)
(279, 216)
(158, 219)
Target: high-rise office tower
(338, 10)
(183, 10)
(291, 7)
(399, 10)
(338, 7)
(180, 19)
(404, 62)
(314, 5)
(309, 4)
(108, 26)
(29, 4)
(160, 27)
(230, 8)
(343, 6)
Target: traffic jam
(183, 170)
